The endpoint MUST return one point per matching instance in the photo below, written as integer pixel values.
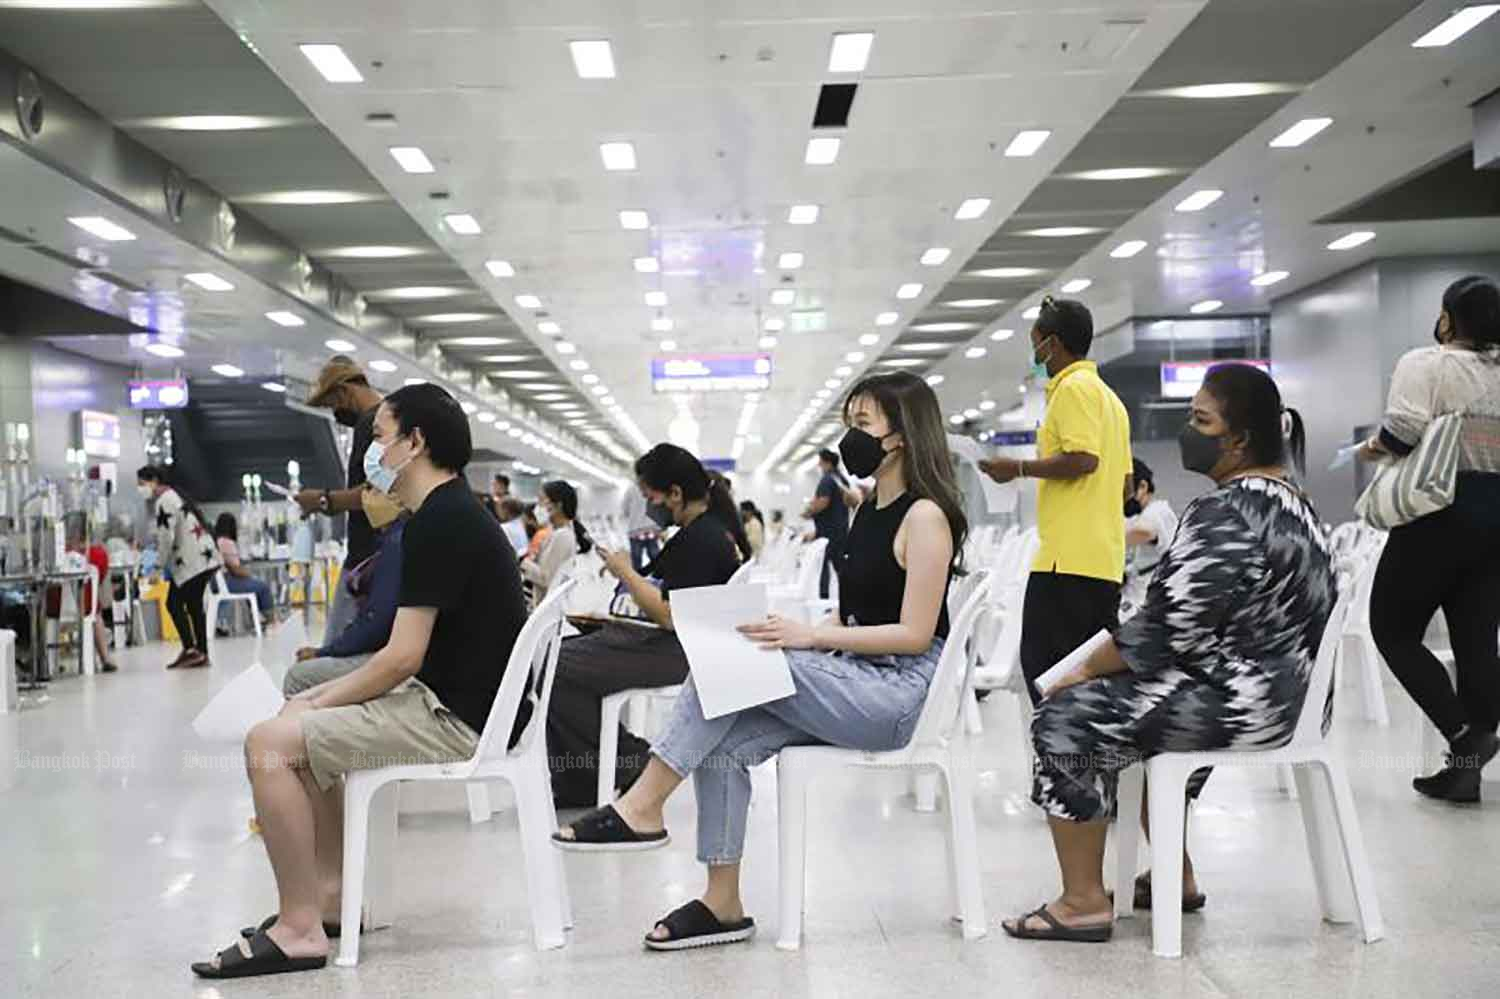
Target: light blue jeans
(841, 700)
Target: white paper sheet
(730, 672)
(249, 698)
(997, 498)
(1072, 661)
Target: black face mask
(1132, 507)
(345, 417)
(659, 514)
(1200, 452)
(861, 452)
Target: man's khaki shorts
(405, 727)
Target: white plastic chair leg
(973, 721)
(1286, 780)
(792, 849)
(1351, 838)
(356, 842)
(609, 747)
(1128, 837)
(924, 788)
(479, 801)
(1374, 689)
(1166, 791)
(535, 818)
(1320, 825)
(559, 872)
(963, 848)
(1023, 709)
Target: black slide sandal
(1190, 903)
(330, 930)
(1056, 930)
(265, 959)
(603, 830)
(694, 925)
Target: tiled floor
(127, 856)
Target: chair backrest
(811, 569)
(531, 667)
(221, 582)
(1309, 729)
(954, 676)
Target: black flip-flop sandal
(603, 830)
(265, 959)
(330, 930)
(694, 925)
(1190, 903)
(1056, 930)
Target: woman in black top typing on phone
(705, 551)
(860, 681)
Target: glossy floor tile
(127, 855)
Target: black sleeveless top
(871, 581)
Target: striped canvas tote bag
(1423, 482)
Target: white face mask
(146, 491)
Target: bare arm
(816, 505)
(1068, 465)
(1105, 661)
(397, 662)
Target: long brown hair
(912, 408)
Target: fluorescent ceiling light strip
(1455, 27)
(617, 155)
(331, 61)
(1352, 240)
(463, 224)
(103, 228)
(1027, 143)
(850, 51)
(288, 319)
(412, 160)
(1299, 133)
(1128, 249)
(593, 59)
(209, 282)
(822, 150)
(1199, 200)
(972, 208)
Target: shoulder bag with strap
(1421, 483)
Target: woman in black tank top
(860, 680)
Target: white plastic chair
(370, 795)
(10, 696)
(216, 594)
(1357, 632)
(937, 743)
(1334, 841)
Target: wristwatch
(324, 505)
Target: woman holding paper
(1218, 657)
(860, 681)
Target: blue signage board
(711, 373)
(158, 394)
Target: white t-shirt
(1158, 518)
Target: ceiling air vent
(834, 102)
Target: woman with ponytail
(1218, 657)
(558, 509)
(620, 656)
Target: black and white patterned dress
(1219, 656)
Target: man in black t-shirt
(423, 698)
(342, 387)
(829, 513)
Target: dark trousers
(185, 604)
(1061, 613)
(830, 565)
(1449, 560)
(643, 551)
(590, 667)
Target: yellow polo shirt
(1082, 520)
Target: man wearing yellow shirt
(1085, 475)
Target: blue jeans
(844, 700)
(250, 584)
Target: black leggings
(1448, 560)
(185, 604)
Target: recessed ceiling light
(1028, 142)
(579, 365)
(669, 345)
(332, 63)
(904, 362)
(309, 198)
(103, 228)
(412, 159)
(647, 265)
(869, 339)
(499, 268)
(661, 325)
(1076, 285)
(1032, 313)
(850, 51)
(476, 341)
(1206, 306)
(486, 417)
(987, 405)
(283, 318)
(1352, 240)
(942, 327)
(923, 348)
(1006, 272)
(789, 261)
(1456, 26)
(385, 367)
(634, 219)
(164, 350)
(414, 293)
(656, 299)
(1062, 231)
(1123, 173)
(909, 290)
(972, 208)
(194, 122)
(1001, 335)
(1199, 200)
(768, 342)
(972, 303)
(1128, 249)
(802, 214)
(971, 413)
(371, 252)
(528, 301)
(1220, 91)
(855, 356)
(775, 325)
(832, 383)
(548, 327)
(1300, 133)
(600, 390)
(520, 376)
(617, 155)
(935, 256)
(974, 353)
(273, 386)
(462, 224)
(935, 380)
(505, 358)
(415, 381)
(887, 318)
(339, 346)
(564, 347)
(228, 371)
(843, 371)
(608, 400)
(822, 150)
(209, 282)
(594, 60)
(455, 317)
(783, 296)
(470, 409)
(1269, 278)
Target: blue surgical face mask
(1039, 367)
(376, 473)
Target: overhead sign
(1182, 379)
(99, 434)
(725, 465)
(711, 373)
(160, 394)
